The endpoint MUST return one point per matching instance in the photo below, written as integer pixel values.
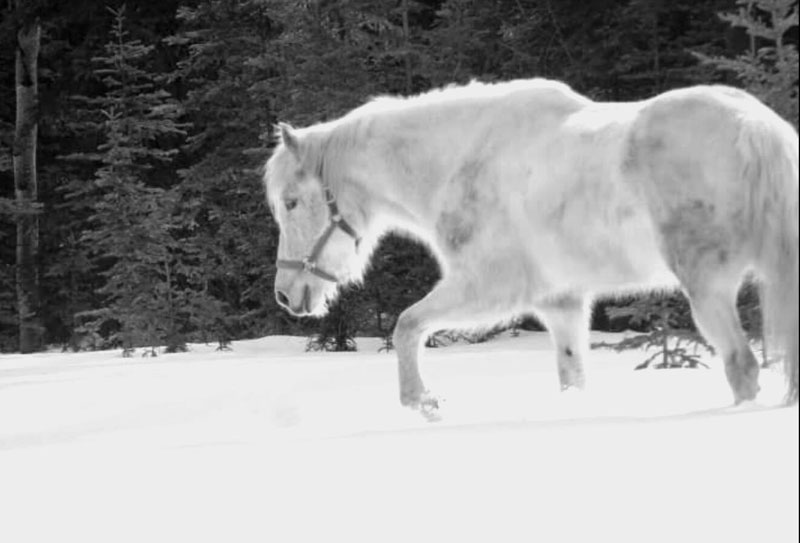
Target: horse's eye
(291, 203)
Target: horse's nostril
(282, 298)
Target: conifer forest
(133, 135)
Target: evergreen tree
(402, 273)
(669, 330)
(129, 238)
(74, 33)
(337, 331)
(769, 68)
(228, 70)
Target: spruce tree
(769, 68)
(669, 331)
(227, 69)
(129, 237)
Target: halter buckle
(308, 265)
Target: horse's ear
(289, 138)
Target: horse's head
(318, 247)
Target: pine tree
(228, 68)
(402, 272)
(337, 331)
(669, 331)
(130, 239)
(769, 68)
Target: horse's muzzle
(302, 309)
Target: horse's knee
(408, 327)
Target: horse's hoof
(572, 390)
(428, 406)
(746, 393)
(745, 406)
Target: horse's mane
(472, 91)
(331, 140)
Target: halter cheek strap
(309, 263)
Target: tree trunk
(25, 185)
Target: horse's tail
(771, 168)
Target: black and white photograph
(378, 271)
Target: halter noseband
(309, 263)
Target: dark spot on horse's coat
(568, 351)
(562, 302)
(630, 159)
(654, 144)
(693, 239)
(456, 228)
(640, 150)
(625, 213)
(691, 219)
(400, 149)
(556, 216)
(470, 172)
(700, 206)
(458, 223)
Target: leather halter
(309, 263)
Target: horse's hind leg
(567, 320)
(714, 311)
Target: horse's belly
(601, 257)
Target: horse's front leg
(448, 305)
(567, 320)
(410, 333)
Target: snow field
(267, 443)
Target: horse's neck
(402, 171)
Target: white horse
(535, 199)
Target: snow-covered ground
(267, 443)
